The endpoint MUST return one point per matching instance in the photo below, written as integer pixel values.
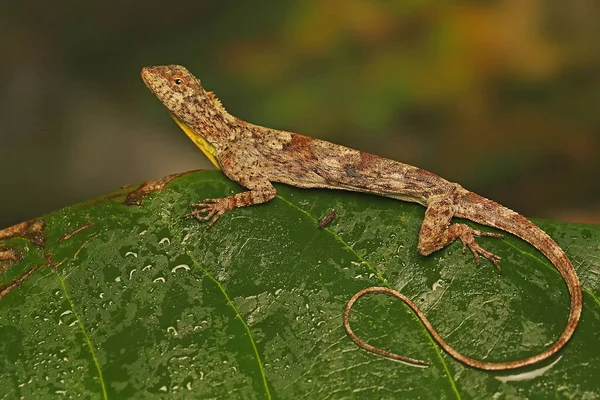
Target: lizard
(255, 157)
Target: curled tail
(469, 206)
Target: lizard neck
(208, 124)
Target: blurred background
(500, 96)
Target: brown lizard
(255, 156)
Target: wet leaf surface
(144, 303)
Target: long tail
(469, 206)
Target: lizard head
(197, 112)
(175, 87)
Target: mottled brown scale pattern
(298, 147)
(255, 157)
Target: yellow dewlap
(208, 149)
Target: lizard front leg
(437, 232)
(260, 192)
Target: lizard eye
(178, 81)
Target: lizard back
(307, 162)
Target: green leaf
(139, 302)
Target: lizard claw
(469, 241)
(213, 208)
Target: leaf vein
(85, 334)
(239, 316)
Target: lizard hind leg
(437, 233)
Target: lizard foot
(213, 208)
(468, 240)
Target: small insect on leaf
(327, 220)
